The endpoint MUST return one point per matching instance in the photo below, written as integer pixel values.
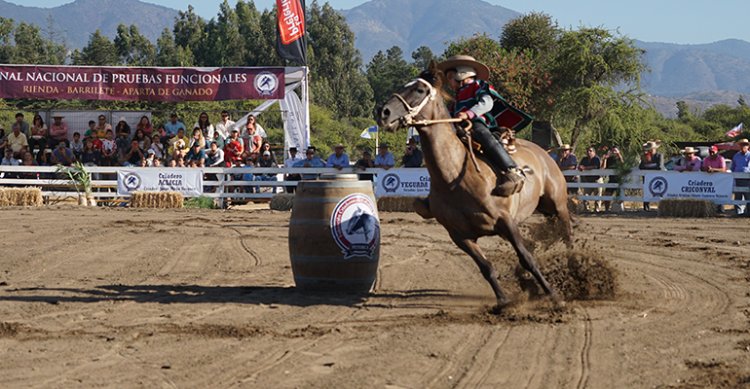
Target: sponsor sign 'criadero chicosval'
(144, 84)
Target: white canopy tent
(295, 109)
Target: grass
(202, 202)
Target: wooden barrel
(334, 235)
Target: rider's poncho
(470, 95)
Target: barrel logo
(355, 226)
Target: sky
(672, 21)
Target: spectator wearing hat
(568, 161)
(58, 131)
(173, 125)
(651, 160)
(591, 162)
(311, 160)
(689, 162)
(339, 159)
(413, 155)
(16, 140)
(741, 164)
(196, 156)
(715, 162)
(384, 159)
(289, 162)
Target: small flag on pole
(735, 131)
(367, 131)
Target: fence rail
(222, 183)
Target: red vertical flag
(291, 42)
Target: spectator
(145, 125)
(690, 162)
(258, 128)
(224, 127)
(233, 150)
(714, 163)
(311, 160)
(91, 131)
(179, 143)
(741, 164)
(90, 156)
(612, 160)
(650, 160)
(62, 155)
(17, 141)
(77, 145)
(157, 147)
(267, 147)
(218, 139)
(413, 155)
(134, 156)
(38, 130)
(384, 159)
(253, 141)
(3, 139)
(24, 127)
(58, 131)
(9, 159)
(151, 160)
(338, 159)
(122, 129)
(178, 160)
(568, 161)
(591, 162)
(215, 156)
(267, 161)
(173, 125)
(102, 126)
(207, 129)
(144, 141)
(289, 162)
(196, 157)
(109, 149)
(364, 163)
(197, 138)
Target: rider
(474, 102)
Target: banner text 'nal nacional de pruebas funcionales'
(140, 84)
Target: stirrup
(512, 183)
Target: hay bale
(686, 208)
(396, 204)
(282, 202)
(156, 200)
(21, 197)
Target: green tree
(6, 36)
(190, 33)
(386, 72)
(32, 48)
(683, 110)
(224, 44)
(133, 48)
(100, 51)
(536, 32)
(422, 57)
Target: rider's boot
(510, 177)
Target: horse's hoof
(500, 307)
(557, 300)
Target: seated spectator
(145, 125)
(220, 142)
(384, 159)
(267, 147)
(102, 126)
(690, 162)
(38, 140)
(62, 155)
(413, 155)
(109, 150)
(173, 125)
(178, 160)
(253, 141)
(58, 131)
(714, 163)
(90, 156)
(215, 156)
(568, 161)
(144, 141)
(178, 143)
(121, 139)
(338, 159)
(28, 160)
(289, 162)
(134, 155)
(267, 161)
(24, 127)
(157, 147)
(224, 126)
(17, 141)
(234, 149)
(311, 160)
(205, 126)
(197, 138)
(364, 163)
(10, 160)
(3, 139)
(196, 157)
(77, 145)
(123, 129)
(591, 162)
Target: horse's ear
(433, 66)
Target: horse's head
(415, 101)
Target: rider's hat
(463, 64)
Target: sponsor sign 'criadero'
(144, 84)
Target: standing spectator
(102, 126)
(715, 162)
(413, 155)
(384, 159)
(233, 150)
(650, 160)
(289, 162)
(58, 131)
(205, 126)
(145, 125)
(568, 161)
(215, 156)
(612, 160)
(741, 164)
(196, 157)
(134, 155)
(17, 141)
(62, 155)
(690, 162)
(173, 125)
(338, 159)
(591, 162)
(77, 145)
(224, 127)
(365, 163)
(109, 149)
(24, 127)
(38, 130)
(311, 160)
(253, 141)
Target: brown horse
(460, 191)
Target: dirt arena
(195, 298)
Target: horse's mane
(436, 78)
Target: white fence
(223, 183)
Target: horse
(361, 221)
(460, 185)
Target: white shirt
(289, 162)
(209, 130)
(224, 129)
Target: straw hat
(650, 145)
(565, 147)
(743, 141)
(461, 62)
(688, 150)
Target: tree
(189, 33)
(99, 52)
(422, 57)
(224, 44)
(536, 32)
(683, 110)
(386, 72)
(133, 48)
(6, 48)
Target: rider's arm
(482, 107)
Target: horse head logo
(361, 223)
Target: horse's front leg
(422, 207)
(471, 247)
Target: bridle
(412, 112)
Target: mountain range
(700, 74)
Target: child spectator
(90, 156)
(109, 149)
(77, 145)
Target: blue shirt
(334, 161)
(315, 162)
(172, 128)
(386, 160)
(741, 162)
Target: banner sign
(716, 187)
(413, 182)
(189, 182)
(290, 40)
(140, 84)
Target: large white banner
(716, 187)
(414, 182)
(189, 182)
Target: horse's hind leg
(551, 207)
(471, 247)
(509, 230)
